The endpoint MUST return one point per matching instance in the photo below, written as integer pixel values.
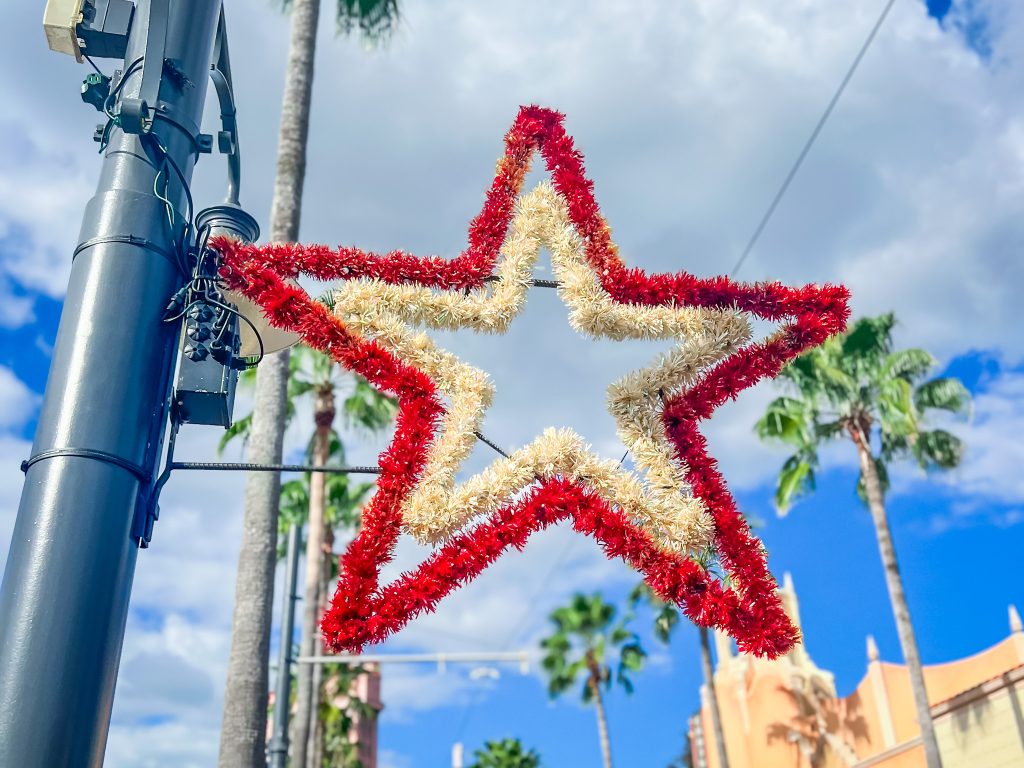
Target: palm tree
(858, 387)
(666, 618)
(319, 501)
(245, 714)
(585, 638)
(316, 374)
(507, 753)
(342, 503)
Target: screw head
(200, 313)
(196, 352)
(197, 331)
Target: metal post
(64, 598)
(278, 749)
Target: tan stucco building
(786, 714)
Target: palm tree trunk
(602, 721)
(243, 730)
(313, 753)
(900, 610)
(709, 681)
(316, 729)
(307, 695)
(244, 724)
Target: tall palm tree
(666, 618)
(856, 386)
(244, 721)
(507, 753)
(343, 499)
(318, 375)
(319, 501)
(587, 639)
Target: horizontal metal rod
(535, 283)
(220, 466)
(418, 658)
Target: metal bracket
(134, 111)
(89, 453)
(227, 137)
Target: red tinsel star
(364, 611)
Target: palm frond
(946, 394)
(375, 20)
(869, 339)
(893, 446)
(367, 408)
(909, 364)
(796, 478)
(242, 428)
(829, 430)
(938, 449)
(896, 411)
(787, 420)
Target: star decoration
(658, 523)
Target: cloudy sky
(689, 114)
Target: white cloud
(18, 403)
(15, 310)
(388, 758)
(13, 451)
(988, 485)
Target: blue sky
(689, 115)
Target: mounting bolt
(200, 313)
(197, 331)
(204, 143)
(196, 352)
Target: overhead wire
(93, 64)
(811, 139)
(470, 707)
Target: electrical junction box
(208, 370)
(98, 28)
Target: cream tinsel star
(660, 500)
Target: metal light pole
(64, 598)
(278, 749)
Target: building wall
(985, 731)
(785, 713)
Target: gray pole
(278, 749)
(64, 598)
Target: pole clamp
(89, 453)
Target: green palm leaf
(858, 385)
(908, 364)
(795, 479)
(938, 449)
(947, 394)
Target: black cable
(190, 210)
(93, 63)
(812, 138)
(159, 114)
(128, 72)
(167, 160)
(259, 339)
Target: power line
(812, 138)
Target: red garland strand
(362, 610)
